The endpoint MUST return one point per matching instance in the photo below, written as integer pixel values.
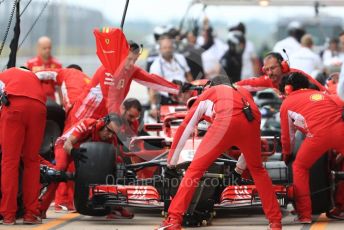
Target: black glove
(171, 173)
(78, 154)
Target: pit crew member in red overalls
(319, 117)
(44, 61)
(71, 80)
(224, 106)
(275, 67)
(107, 90)
(22, 132)
(67, 146)
(131, 110)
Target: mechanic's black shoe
(335, 213)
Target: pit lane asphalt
(241, 219)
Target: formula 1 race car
(144, 180)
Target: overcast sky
(166, 10)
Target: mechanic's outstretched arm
(155, 82)
(256, 83)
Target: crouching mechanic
(319, 117)
(22, 112)
(235, 122)
(67, 146)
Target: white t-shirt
(173, 70)
(247, 56)
(329, 57)
(290, 44)
(211, 57)
(306, 60)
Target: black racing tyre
(201, 207)
(51, 133)
(319, 180)
(320, 185)
(55, 113)
(53, 129)
(96, 170)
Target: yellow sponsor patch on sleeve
(317, 97)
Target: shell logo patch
(316, 97)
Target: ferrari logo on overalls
(316, 97)
(107, 41)
(120, 84)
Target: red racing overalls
(22, 130)
(318, 116)
(223, 107)
(86, 130)
(264, 82)
(72, 82)
(37, 64)
(106, 92)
